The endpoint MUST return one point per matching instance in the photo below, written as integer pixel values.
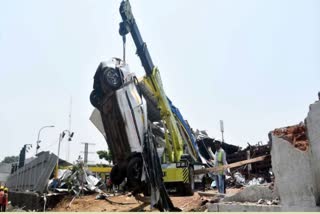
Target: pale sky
(253, 64)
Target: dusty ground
(123, 203)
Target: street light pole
(38, 140)
(61, 136)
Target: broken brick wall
(296, 160)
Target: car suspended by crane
(151, 143)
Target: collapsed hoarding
(34, 175)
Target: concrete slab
(221, 207)
(246, 207)
(293, 174)
(313, 127)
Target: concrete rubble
(253, 194)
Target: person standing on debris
(220, 160)
(1, 197)
(5, 200)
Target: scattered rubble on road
(124, 203)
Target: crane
(152, 145)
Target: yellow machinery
(152, 145)
(181, 153)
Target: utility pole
(86, 152)
(222, 130)
(61, 136)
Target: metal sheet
(33, 176)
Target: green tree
(10, 159)
(106, 155)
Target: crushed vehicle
(151, 143)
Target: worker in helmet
(1, 197)
(5, 199)
(220, 160)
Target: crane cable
(124, 48)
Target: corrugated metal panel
(34, 175)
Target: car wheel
(189, 187)
(96, 98)
(134, 171)
(112, 78)
(116, 175)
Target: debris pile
(294, 134)
(254, 170)
(77, 180)
(238, 180)
(249, 174)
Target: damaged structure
(34, 186)
(296, 163)
(241, 174)
(295, 158)
(28, 184)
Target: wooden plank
(209, 194)
(232, 165)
